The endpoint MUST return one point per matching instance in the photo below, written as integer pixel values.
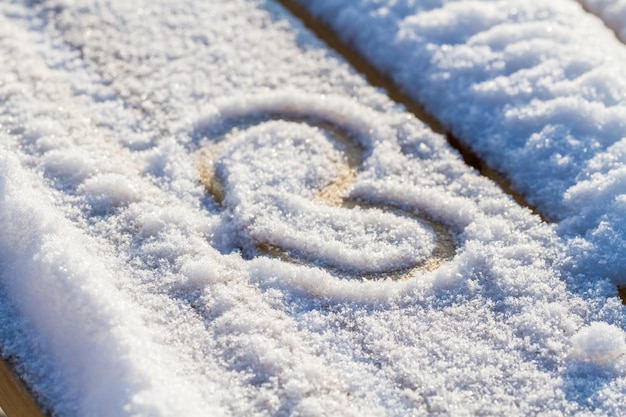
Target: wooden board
(15, 400)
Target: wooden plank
(15, 399)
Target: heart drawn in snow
(284, 176)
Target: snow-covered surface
(205, 212)
(536, 88)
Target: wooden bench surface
(15, 400)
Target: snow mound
(599, 343)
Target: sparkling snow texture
(537, 89)
(205, 212)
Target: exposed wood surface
(15, 400)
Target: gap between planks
(15, 399)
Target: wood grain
(15, 400)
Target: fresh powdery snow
(538, 89)
(204, 211)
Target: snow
(525, 85)
(599, 343)
(205, 211)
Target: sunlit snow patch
(190, 325)
(599, 343)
